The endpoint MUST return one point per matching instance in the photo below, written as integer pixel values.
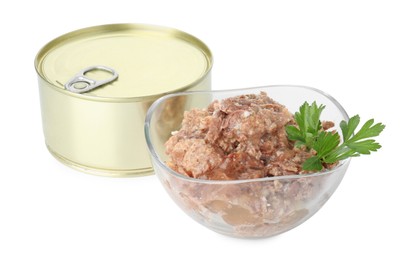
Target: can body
(100, 135)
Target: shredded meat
(242, 137)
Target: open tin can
(96, 85)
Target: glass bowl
(253, 208)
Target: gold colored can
(97, 83)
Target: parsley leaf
(355, 144)
(308, 123)
(309, 133)
(312, 164)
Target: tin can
(97, 83)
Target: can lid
(150, 60)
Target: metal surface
(81, 83)
(101, 131)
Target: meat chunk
(194, 157)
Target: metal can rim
(125, 26)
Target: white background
(357, 51)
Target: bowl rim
(342, 164)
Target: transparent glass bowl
(252, 208)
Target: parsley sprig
(309, 133)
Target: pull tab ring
(82, 84)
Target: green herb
(309, 133)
